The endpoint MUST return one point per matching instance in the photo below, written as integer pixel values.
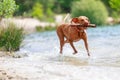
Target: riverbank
(28, 24)
(31, 25)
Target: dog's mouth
(86, 24)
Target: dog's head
(82, 20)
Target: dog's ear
(75, 20)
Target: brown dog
(69, 33)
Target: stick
(80, 25)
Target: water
(104, 45)
(45, 62)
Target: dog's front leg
(61, 46)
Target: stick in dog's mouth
(91, 25)
(79, 25)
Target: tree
(62, 6)
(37, 11)
(24, 6)
(7, 8)
(47, 6)
(108, 7)
(115, 4)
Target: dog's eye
(82, 20)
(87, 19)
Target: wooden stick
(92, 25)
(78, 25)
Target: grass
(10, 37)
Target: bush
(37, 11)
(11, 37)
(7, 8)
(93, 9)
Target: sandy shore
(6, 75)
(5, 72)
(44, 67)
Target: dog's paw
(75, 52)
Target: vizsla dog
(69, 33)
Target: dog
(75, 31)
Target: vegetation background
(97, 10)
(45, 10)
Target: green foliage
(24, 7)
(11, 37)
(37, 11)
(115, 4)
(47, 6)
(62, 6)
(108, 7)
(93, 9)
(115, 15)
(7, 8)
(47, 10)
(96, 8)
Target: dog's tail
(64, 20)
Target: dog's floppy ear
(75, 20)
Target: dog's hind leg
(71, 43)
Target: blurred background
(45, 10)
(100, 12)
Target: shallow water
(104, 45)
(45, 62)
